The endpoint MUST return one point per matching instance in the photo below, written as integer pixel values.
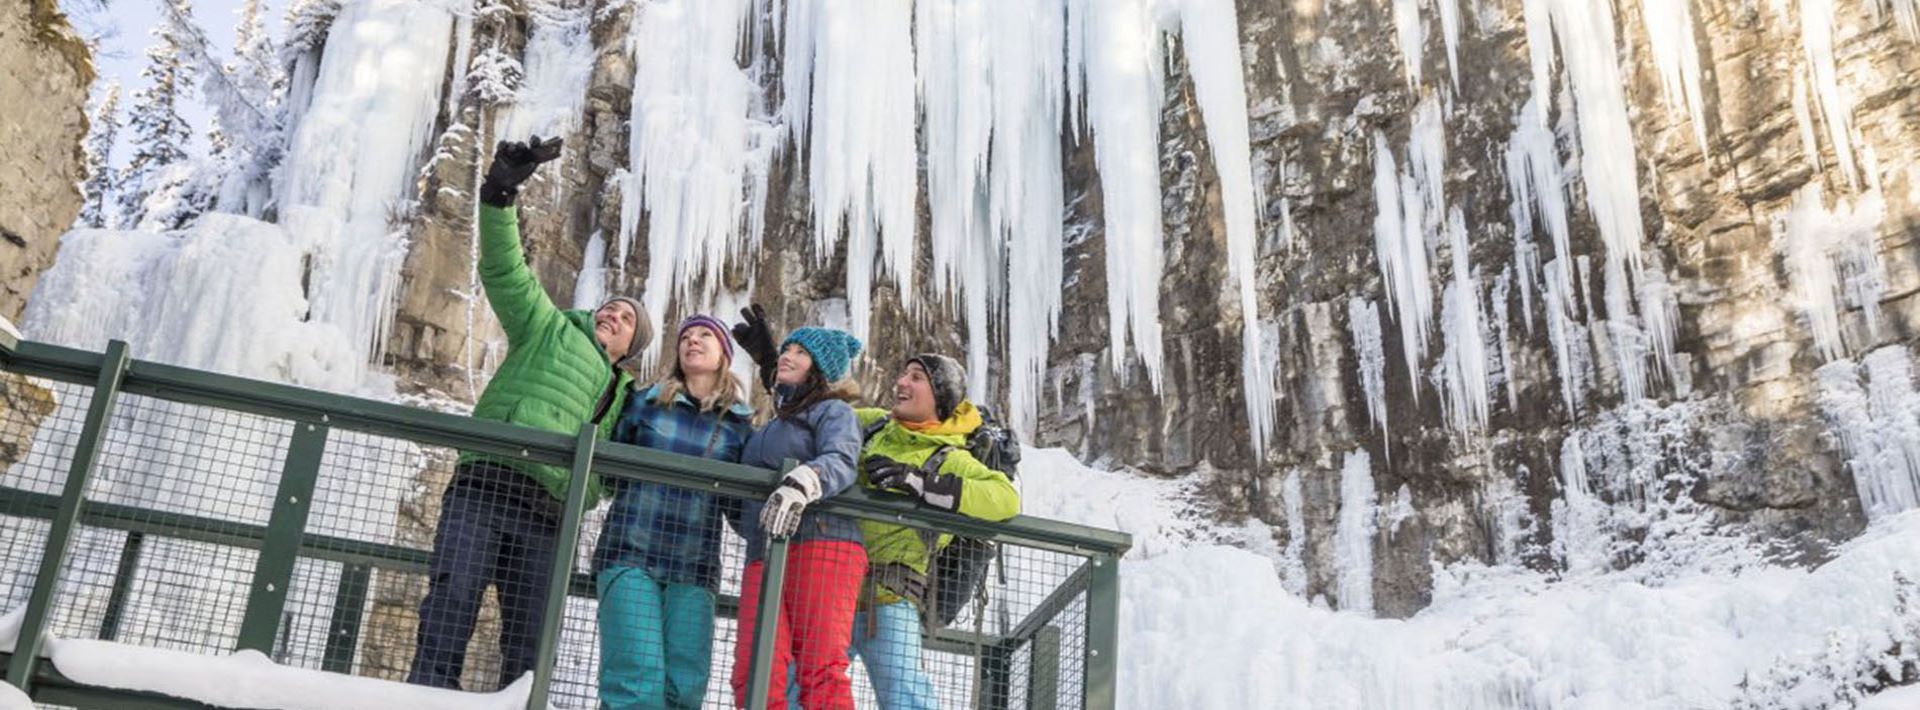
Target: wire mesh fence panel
(38, 427)
(190, 460)
(379, 493)
(202, 479)
(950, 636)
(377, 489)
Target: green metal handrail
(315, 413)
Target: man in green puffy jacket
(499, 518)
(919, 448)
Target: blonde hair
(727, 392)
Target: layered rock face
(1730, 427)
(40, 160)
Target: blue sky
(123, 28)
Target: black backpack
(959, 571)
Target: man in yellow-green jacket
(919, 447)
(499, 517)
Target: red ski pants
(815, 625)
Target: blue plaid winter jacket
(671, 533)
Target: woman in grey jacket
(813, 424)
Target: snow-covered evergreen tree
(307, 24)
(255, 67)
(494, 77)
(160, 135)
(97, 208)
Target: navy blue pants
(497, 527)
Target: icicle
(1877, 427)
(1450, 32)
(951, 38)
(1410, 205)
(863, 163)
(1123, 77)
(1566, 335)
(1502, 288)
(1411, 35)
(1027, 189)
(559, 62)
(1509, 519)
(1578, 516)
(1427, 161)
(1402, 251)
(1363, 320)
(1584, 30)
(1294, 571)
(796, 35)
(1623, 331)
(1836, 107)
(1287, 230)
(688, 151)
(1829, 255)
(1803, 118)
(351, 165)
(1906, 14)
(951, 41)
(1463, 364)
(590, 287)
(1539, 196)
(1353, 536)
(1210, 37)
(1676, 54)
(462, 57)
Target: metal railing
(239, 514)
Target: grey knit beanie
(949, 382)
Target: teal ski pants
(656, 641)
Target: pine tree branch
(233, 102)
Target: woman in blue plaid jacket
(657, 565)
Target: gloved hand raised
(513, 163)
(940, 490)
(756, 337)
(781, 516)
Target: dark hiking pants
(497, 527)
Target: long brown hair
(816, 390)
(728, 391)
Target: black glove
(755, 337)
(513, 163)
(940, 490)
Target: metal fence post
(273, 568)
(343, 631)
(560, 576)
(1043, 676)
(766, 620)
(995, 679)
(86, 452)
(122, 585)
(1103, 632)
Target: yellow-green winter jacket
(985, 493)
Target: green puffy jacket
(555, 371)
(984, 493)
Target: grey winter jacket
(825, 437)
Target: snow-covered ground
(1206, 625)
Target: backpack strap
(874, 428)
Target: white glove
(781, 516)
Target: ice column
(351, 165)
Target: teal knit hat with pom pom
(832, 350)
